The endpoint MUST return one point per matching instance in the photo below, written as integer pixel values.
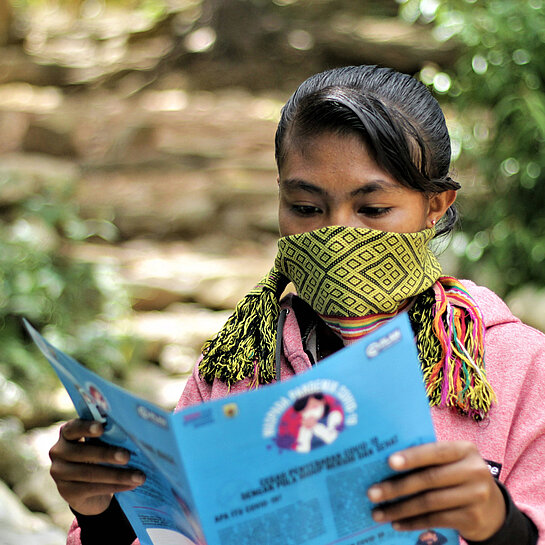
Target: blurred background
(137, 180)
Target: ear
(438, 204)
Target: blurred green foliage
(70, 301)
(497, 88)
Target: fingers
(94, 473)
(79, 471)
(430, 502)
(471, 520)
(453, 518)
(87, 490)
(451, 465)
(70, 446)
(440, 453)
(78, 429)
(447, 484)
(90, 453)
(78, 461)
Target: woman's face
(333, 180)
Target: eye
(374, 211)
(305, 209)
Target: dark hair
(301, 403)
(397, 117)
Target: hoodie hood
(494, 310)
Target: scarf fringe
(244, 348)
(449, 332)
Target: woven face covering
(352, 272)
(344, 273)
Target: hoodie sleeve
(111, 526)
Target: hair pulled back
(396, 116)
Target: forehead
(336, 163)
(324, 147)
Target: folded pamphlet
(286, 464)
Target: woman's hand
(449, 486)
(86, 485)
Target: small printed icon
(431, 537)
(230, 410)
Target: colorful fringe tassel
(449, 332)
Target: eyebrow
(372, 186)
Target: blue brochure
(287, 464)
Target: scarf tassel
(455, 377)
(244, 348)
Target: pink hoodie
(511, 439)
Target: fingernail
(378, 515)
(396, 526)
(138, 478)
(397, 461)
(121, 456)
(374, 494)
(94, 428)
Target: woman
(363, 158)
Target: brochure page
(291, 463)
(286, 464)
(161, 511)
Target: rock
(159, 202)
(44, 138)
(384, 41)
(17, 66)
(24, 465)
(18, 526)
(224, 292)
(13, 400)
(248, 204)
(36, 488)
(32, 408)
(153, 384)
(6, 21)
(24, 175)
(159, 274)
(181, 324)
(146, 297)
(16, 458)
(178, 359)
(39, 493)
(14, 125)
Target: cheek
(411, 217)
(291, 224)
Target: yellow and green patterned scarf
(353, 273)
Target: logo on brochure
(376, 347)
(152, 416)
(230, 410)
(431, 537)
(96, 402)
(310, 416)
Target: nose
(343, 215)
